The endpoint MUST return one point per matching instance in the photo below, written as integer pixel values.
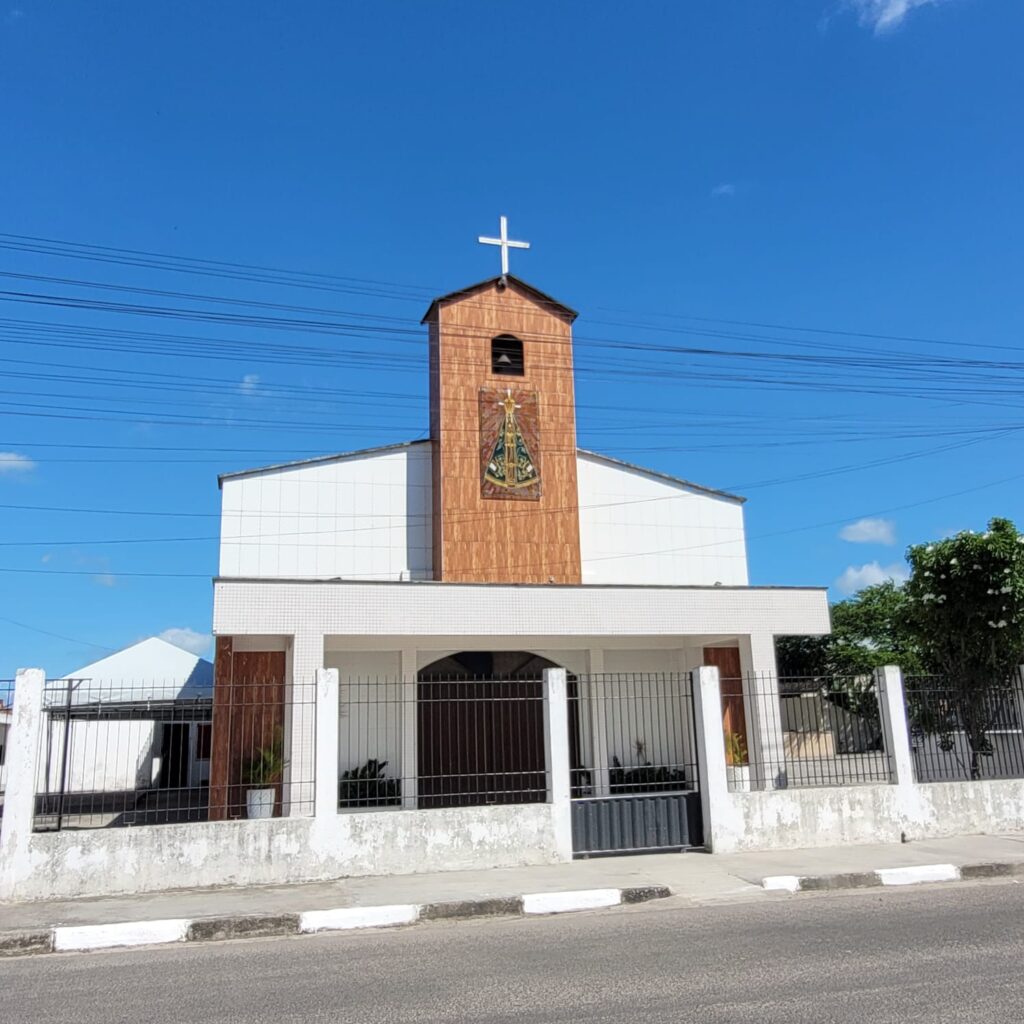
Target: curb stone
(131, 934)
(912, 875)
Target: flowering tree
(965, 612)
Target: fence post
(707, 721)
(20, 792)
(327, 711)
(556, 742)
(893, 710)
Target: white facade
(368, 515)
(360, 516)
(639, 527)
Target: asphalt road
(953, 953)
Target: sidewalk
(696, 879)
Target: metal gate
(635, 784)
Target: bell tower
(503, 432)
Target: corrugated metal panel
(634, 824)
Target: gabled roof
(556, 307)
(339, 457)
(381, 449)
(659, 476)
(151, 669)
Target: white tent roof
(152, 669)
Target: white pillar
(409, 769)
(715, 799)
(326, 802)
(306, 657)
(763, 713)
(595, 706)
(20, 792)
(556, 742)
(895, 729)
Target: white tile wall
(638, 528)
(351, 609)
(359, 517)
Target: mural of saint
(511, 463)
(508, 439)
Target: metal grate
(120, 754)
(961, 733)
(800, 732)
(442, 742)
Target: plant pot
(259, 803)
(738, 777)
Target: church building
(490, 550)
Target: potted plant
(368, 786)
(737, 763)
(262, 773)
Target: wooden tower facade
(503, 427)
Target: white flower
(1002, 624)
(1006, 590)
(941, 598)
(931, 547)
(953, 561)
(975, 566)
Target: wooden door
(734, 719)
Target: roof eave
(559, 308)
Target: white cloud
(249, 384)
(13, 462)
(723, 190)
(187, 639)
(869, 531)
(885, 15)
(105, 579)
(857, 577)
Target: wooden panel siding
(491, 540)
(248, 709)
(734, 718)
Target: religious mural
(509, 444)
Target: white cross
(505, 244)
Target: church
(489, 551)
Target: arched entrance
(480, 729)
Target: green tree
(869, 630)
(965, 613)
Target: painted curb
(127, 934)
(916, 874)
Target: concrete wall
(149, 859)
(799, 818)
(694, 536)
(364, 517)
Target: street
(929, 954)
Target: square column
(763, 712)
(409, 708)
(556, 742)
(302, 706)
(20, 791)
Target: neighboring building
(137, 727)
(495, 547)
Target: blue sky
(846, 176)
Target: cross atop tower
(505, 244)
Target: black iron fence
(118, 754)
(794, 732)
(959, 733)
(441, 742)
(631, 733)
